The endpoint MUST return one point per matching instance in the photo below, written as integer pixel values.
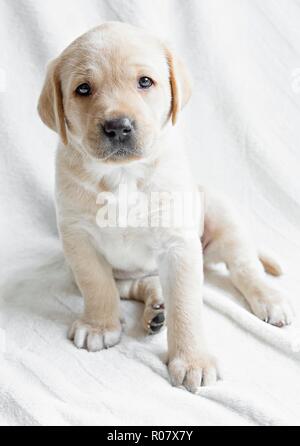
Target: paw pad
(157, 323)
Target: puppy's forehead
(114, 34)
(113, 43)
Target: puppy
(112, 96)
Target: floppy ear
(181, 84)
(50, 107)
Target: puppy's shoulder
(76, 189)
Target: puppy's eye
(84, 90)
(145, 82)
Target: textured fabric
(242, 132)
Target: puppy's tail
(270, 265)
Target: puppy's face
(112, 91)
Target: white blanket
(242, 132)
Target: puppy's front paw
(94, 337)
(193, 373)
(273, 310)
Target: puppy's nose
(118, 129)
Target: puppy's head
(112, 92)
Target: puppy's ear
(50, 107)
(181, 84)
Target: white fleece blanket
(242, 131)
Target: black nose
(119, 129)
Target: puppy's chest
(118, 233)
(126, 249)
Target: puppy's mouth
(121, 154)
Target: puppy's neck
(107, 176)
(111, 177)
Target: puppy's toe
(280, 315)
(111, 338)
(94, 338)
(277, 312)
(193, 373)
(154, 318)
(95, 342)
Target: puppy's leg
(100, 326)
(227, 241)
(181, 272)
(146, 290)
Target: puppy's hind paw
(154, 318)
(277, 312)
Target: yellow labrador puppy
(112, 96)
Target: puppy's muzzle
(120, 140)
(120, 130)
